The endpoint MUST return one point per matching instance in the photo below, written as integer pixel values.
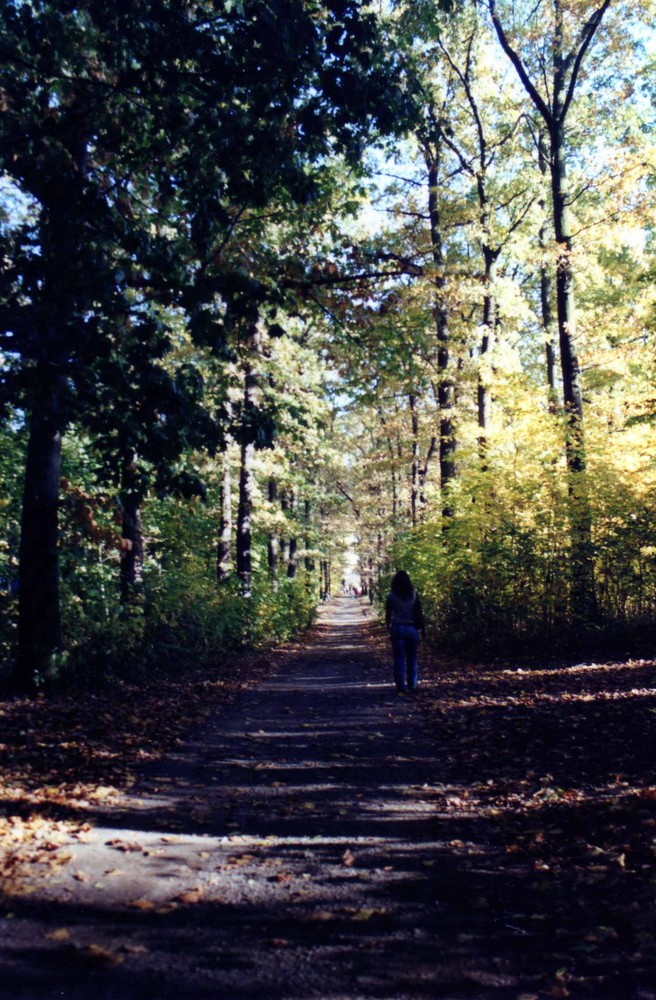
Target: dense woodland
(279, 278)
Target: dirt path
(288, 852)
(491, 839)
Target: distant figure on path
(404, 618)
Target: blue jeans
(405, 640)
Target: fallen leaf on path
(103, 792)
(60, 934)
(100, 954)
(189, 897)
(122, 845)
(366, 912)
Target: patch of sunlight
(578, 668)
(525, 700)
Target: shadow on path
(306, 843)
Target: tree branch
(588, 34)
(516, 60)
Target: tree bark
(223, 550)
(284, 540)
(487, 340)
(546, 287)
(244, 519)
(446, 389)
(292, 559)
(273, 548)
(246, 473)
(292, 543)
(131, 534)
(424, 470)
(414, 475)
(39, 618)
(309, 561)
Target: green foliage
(180, 618)
(179, 279)
(495, 577)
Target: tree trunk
(446, 391)
(546, 288)
(284, 541)
(309, 561)
(246, 473)
(554, 109)
(393, 475)
(487, 340)
(39, 620)
(223, 550)
(292, 563)
(244, 518)
(414, 480)
(131, 535)
(273, 548)
(292, 542)
(582, 589)
(424, 470)
(565, 302)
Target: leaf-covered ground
(313, 835)
(554, 770)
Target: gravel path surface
(292, 849)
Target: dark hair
(401, 585)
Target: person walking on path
(404, 618)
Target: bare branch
(588, 33)
(516, 60)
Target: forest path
(320, 837)
(289, 850)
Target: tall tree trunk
(554, 108)
(292, 544)
(414, 475)
(582, 588)
(292, 559)
(446, 390)
(424, 470)
(309, 561)
(131, 535)
(546, 286)
(323, 579)
(393, 474)
(244, 518)
(284, 540)
(223, 549)
(39, 619)
(246, 472)
(487, 341)
(572, 395)
(273, 548)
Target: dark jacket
(404, 611)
